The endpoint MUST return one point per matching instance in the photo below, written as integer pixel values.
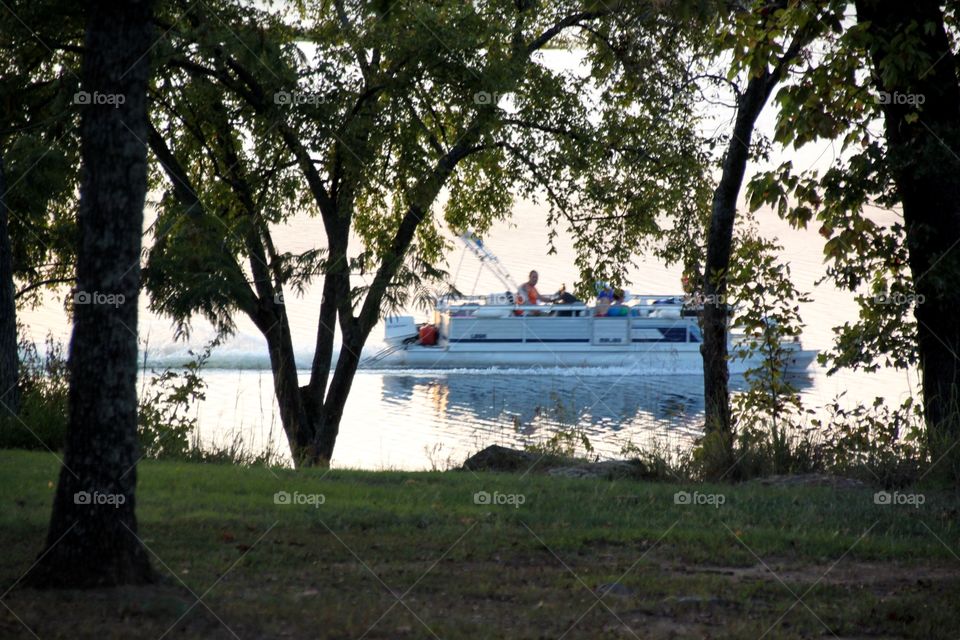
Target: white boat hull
(475, 337)
(654, 360)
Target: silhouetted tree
(9, 361)
(923, 141)
(92, 540)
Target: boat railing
(502, 302)
(648, 298)
(515, 307)
(643, 298)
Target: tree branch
(187, 195)
(42, 283)
(569, 21)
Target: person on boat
(528, 294)
(604, 298)
(618, 308)
(563, 297)
(528, 290)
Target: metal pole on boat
(488, 259)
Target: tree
(92, 539)
(898, 270)
(756, 45)
(644, 65)
(912, 56)
(9, 360)
(37, 175)
(770, 38)
(403, 103)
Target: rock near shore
(504, 459)
(497, 458)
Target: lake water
(419, 419)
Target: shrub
(878, 444)
(165, 423)
(44, 391)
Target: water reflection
(419, 419)
(610, 408)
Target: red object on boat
(428, 335)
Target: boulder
(497, 458)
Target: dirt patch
(880, 578)
(516, 595)
(109, 613)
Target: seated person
(618, 308)
(562, 297)
(604, 299)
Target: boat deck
(653, 337)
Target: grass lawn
(412, 555)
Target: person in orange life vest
(528, 293)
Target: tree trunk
(336, 398)
(92, 540)
(716, 373)
(923, 155)
(356, 330)
(297, 423)
(9, 358)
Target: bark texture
(925, 157)
(93, 540)
(716, 372)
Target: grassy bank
(412, 555)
